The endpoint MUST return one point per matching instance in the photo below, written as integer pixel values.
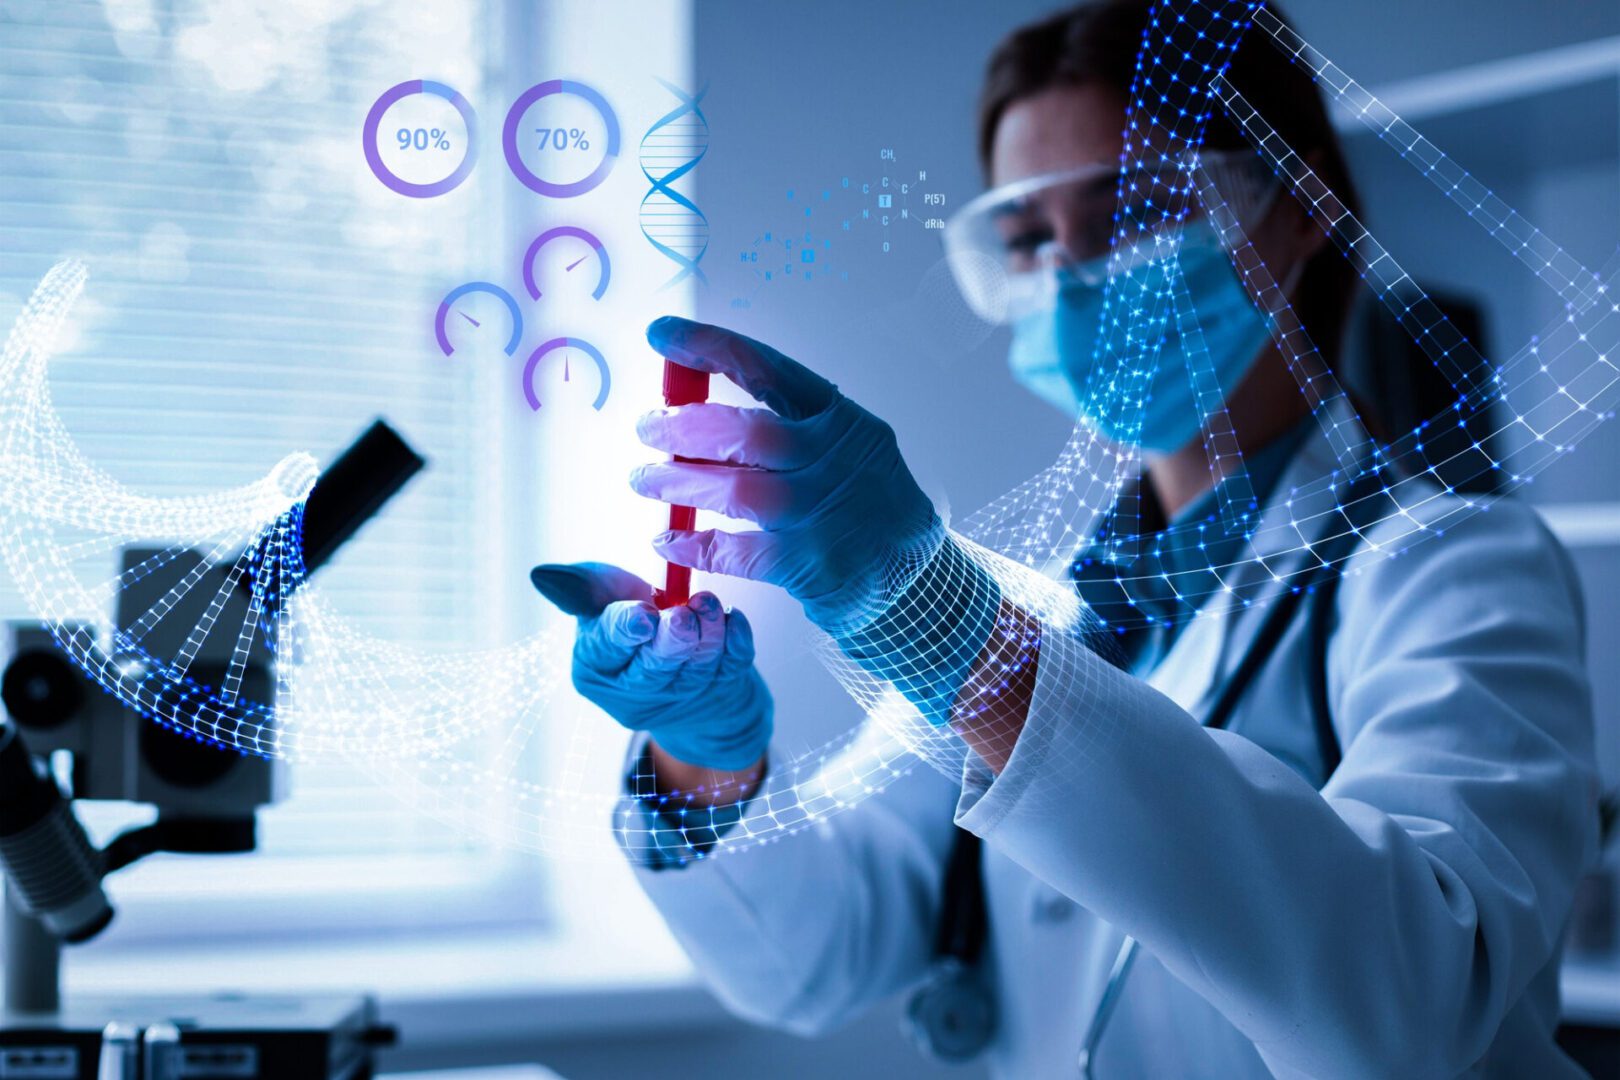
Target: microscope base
(228, 1035)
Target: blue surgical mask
(1053, 351)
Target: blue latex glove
(842, 521)
(843, 526)
(685, 676)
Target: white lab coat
(1405, 921)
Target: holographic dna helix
(670, 150)
(459, 729)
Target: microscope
(63, 739)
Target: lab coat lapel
(1207, 650)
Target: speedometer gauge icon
(581, 247)
(567, 346)
(451, 315)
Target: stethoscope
(952, 1017)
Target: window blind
(255, 291)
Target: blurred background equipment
(65, 740)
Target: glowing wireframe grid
(448, 728)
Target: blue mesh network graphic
(415, 715)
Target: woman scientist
(1338, 844)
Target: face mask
(1052, 351)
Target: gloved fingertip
(650, 422)
(564, 586)
(630, 622)
(683, 624)
(675, 547)
(546, 576)
(739, 637)
(666, 329)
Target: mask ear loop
(1326, 398)
(1227, 221)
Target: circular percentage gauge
(449, 306)
(420, 140)
(554, 131)
(573, 258)
(566, 345)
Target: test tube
(682, 386)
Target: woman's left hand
(842, 523)
(685, 676)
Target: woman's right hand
(685, 676)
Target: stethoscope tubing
(1106, 1004)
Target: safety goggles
(1007, 247)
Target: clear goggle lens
(1005, 248)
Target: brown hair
(1096, 43)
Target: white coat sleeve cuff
(1080, 704)
(656, 832)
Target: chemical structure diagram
(824, 224)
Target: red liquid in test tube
(682, 386)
